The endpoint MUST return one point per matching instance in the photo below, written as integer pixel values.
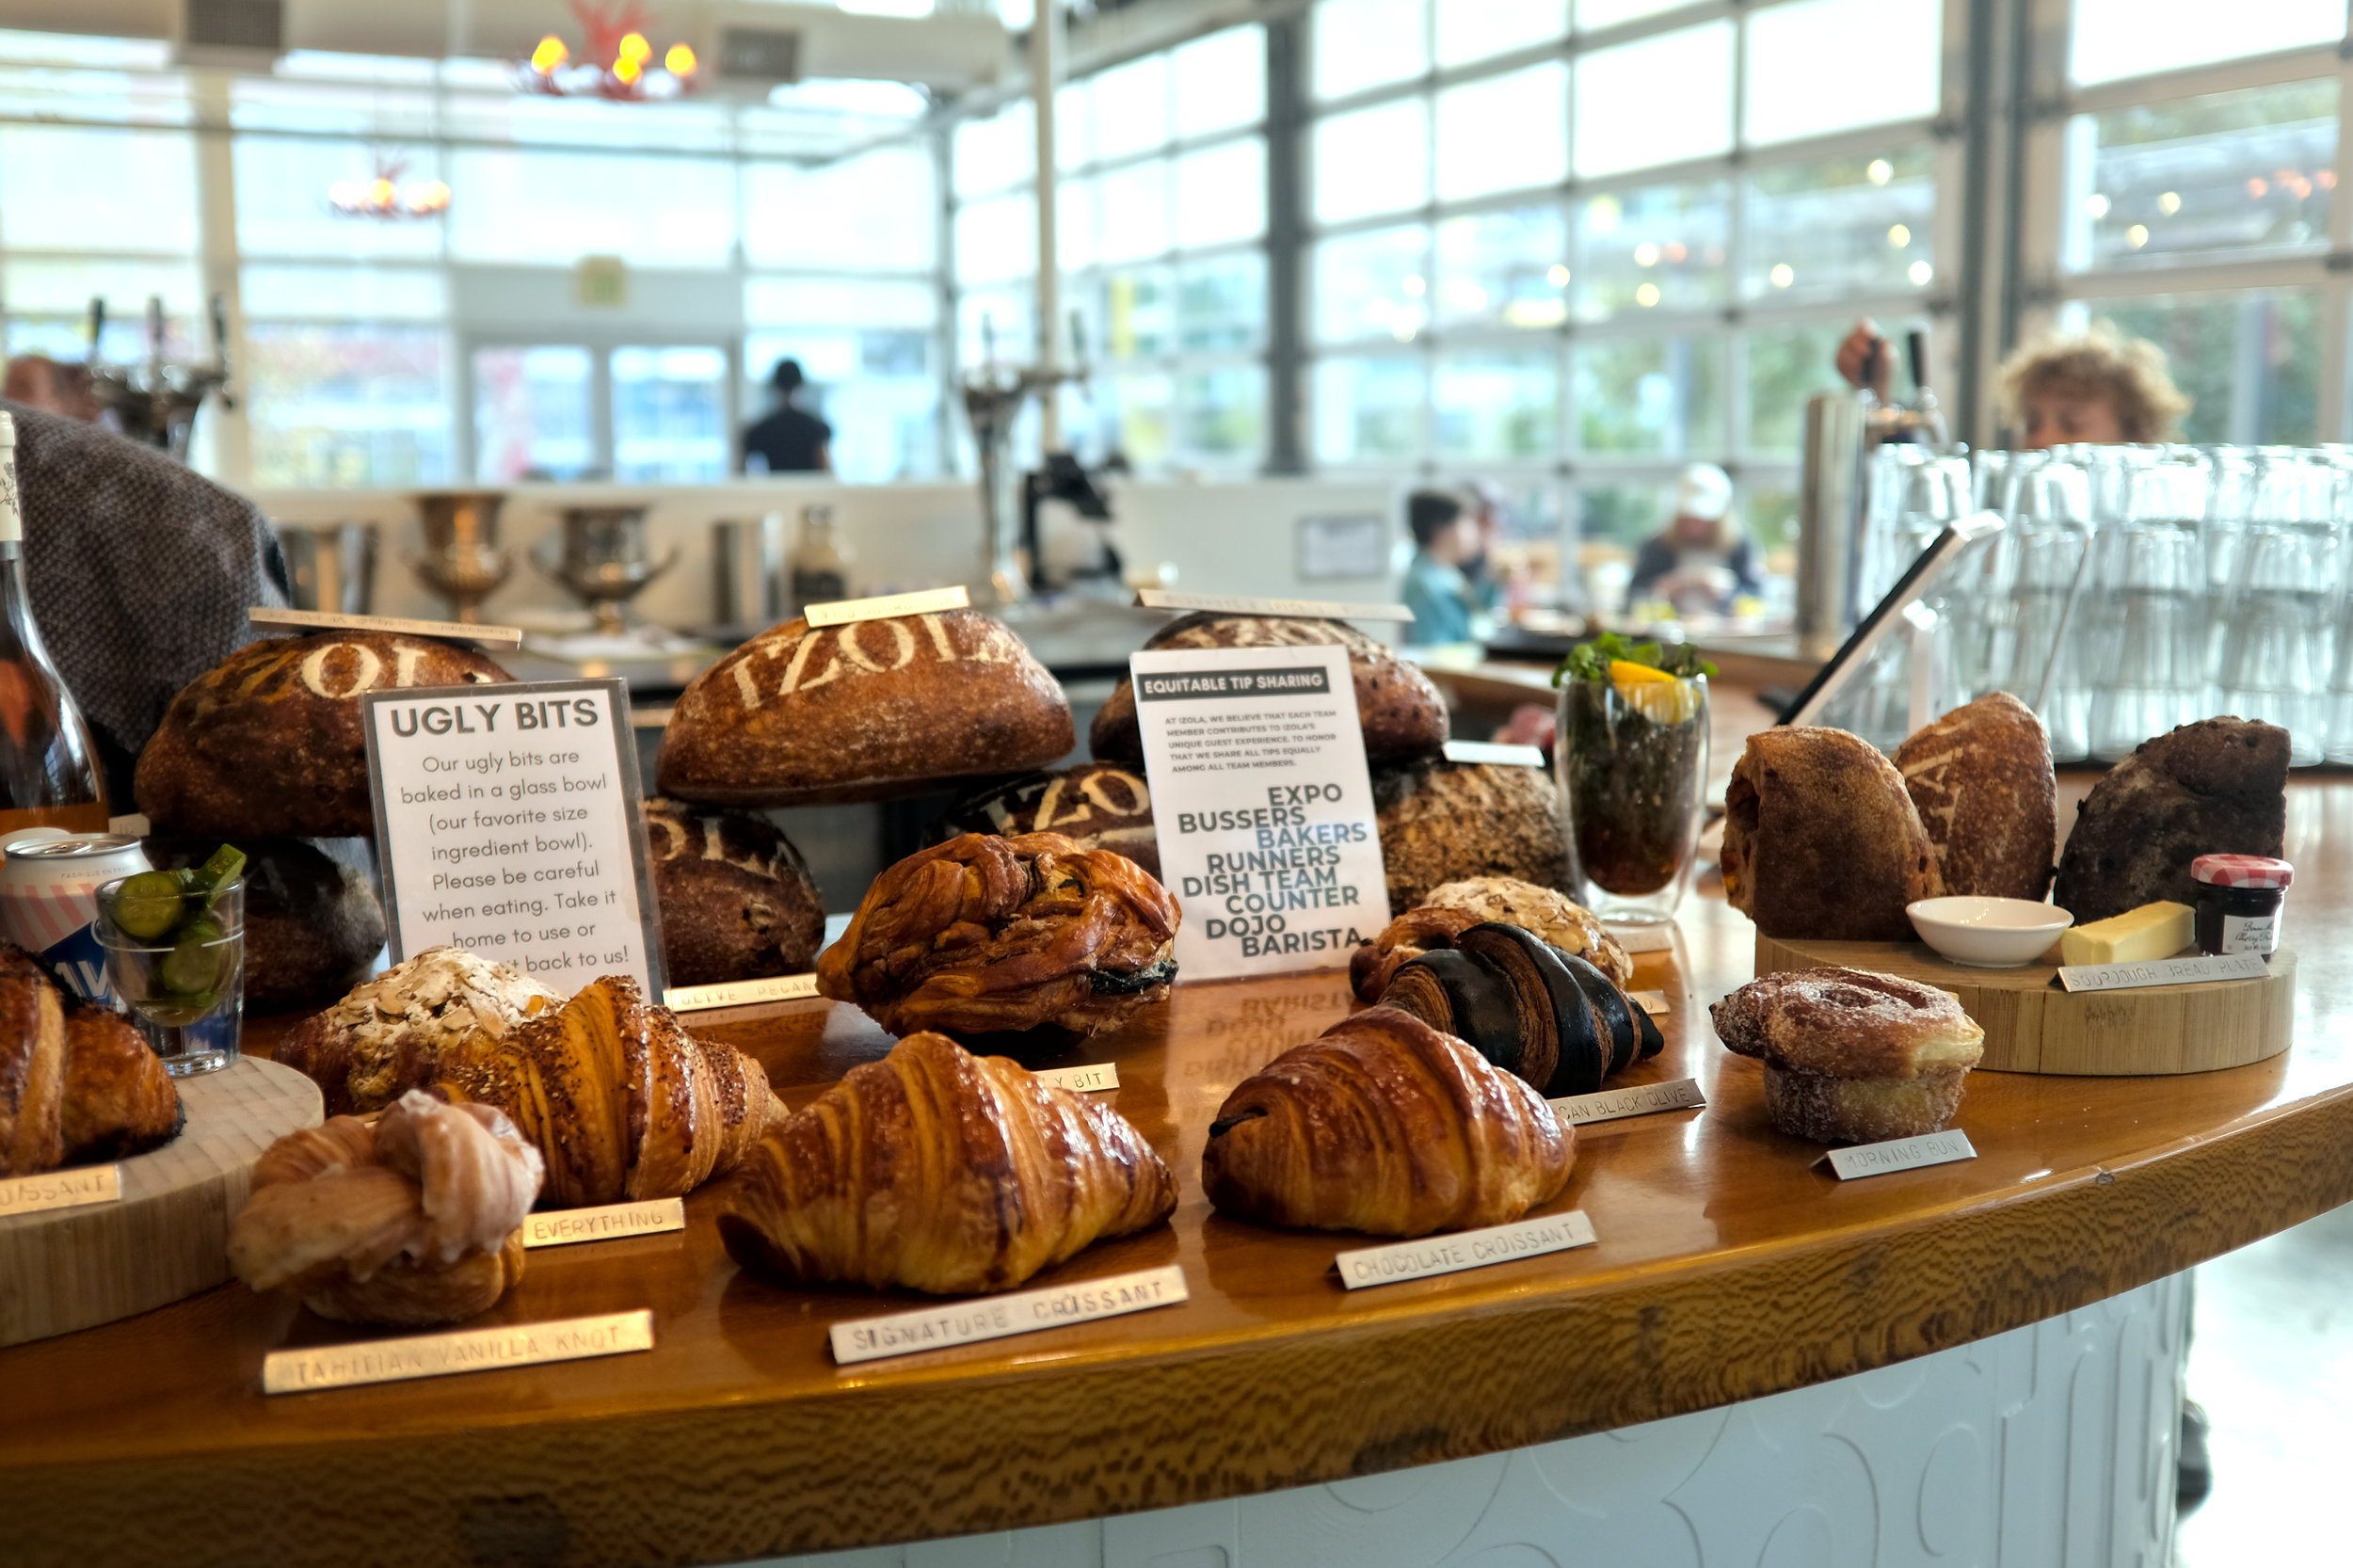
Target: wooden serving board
(167, 1236)
(2032, 1026)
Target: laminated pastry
(1851, 1056)
(937, 1170)
(736, 898)
(386, 1037)
(2216, 787)
(413, 1220)
(78, 1082)
(619, 1100)
(1546, 1016)
(1821, 840)
(1442, 822)
(312, 925)
(1456, 905)
(1095, 805)
(267, 743)
(801, 715)
(1385, 1125)
(1402, 713)
(985, 934)
(1980, 780)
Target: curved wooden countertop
(1727, 1268)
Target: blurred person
(1437, 589)
(788, 439)
(1703, 559)
(2097, 387)
(38, 381)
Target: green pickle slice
(198, 964)
(148, 904)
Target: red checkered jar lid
(2242, 871)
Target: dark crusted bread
(1095, 804)
(1981, 779)
(1445, 822)
(267, 743)
(736, 898)
(312, 925)
(1821, 844)
(2216, 787)
(1403, 715)
(801, 715)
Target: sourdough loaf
(1095, 805)
(312, 925)
(1444, 821)
(2216, 787)
(736, 898)
(1981, 779)
(1821, 841)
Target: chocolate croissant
(415, 1220)
(1546, 1016)
(983, 933)
(623, 1102)
(1383, 1125)
(940, 1171)
(1459, 905)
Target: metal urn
(462, 560)
(606, 560)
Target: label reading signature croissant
(1464, 1249)
(997, 1317)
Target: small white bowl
(1989, 933)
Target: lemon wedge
(1660, 697)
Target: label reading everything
(61, 1189)
(1900, 1154)
(437, 1355)
(997, 1317)
(1642, 1099)
(562, 1227)
(1464, 1249)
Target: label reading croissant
(1899, 1154)
(439, 1356)
(997, 1317)
(61, 1189)
(1464, 1249)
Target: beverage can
(49, 897)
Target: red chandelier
(616, 61)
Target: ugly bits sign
(1262, 806)
(508, 821)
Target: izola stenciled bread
(1852, 1056)
(1981, 779)
(737, 900)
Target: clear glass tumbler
(1632, 761)
(185, 987)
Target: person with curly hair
(2098, 387)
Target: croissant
(1527, 1006)
(983, 934)
(386, 1037)
(941, 1171)
(78, 1084)
(623, 1102)
(32, 1067)
(1456, 906)
(1383, 1125)
(415, 1220)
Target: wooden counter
(1727, 1268)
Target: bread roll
(1981, 779)
(2216, 787)
(267, 743)
(1852, 1056)
(1402, 712)
(736, 898)
(388, 1035)
(1821, 841)
(312, 925)
(1443, 822)
(802, 715)
(1095, 805)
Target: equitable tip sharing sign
(1262, 806)
(508, 821)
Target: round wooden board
(2032, 1026)
(167, 1236)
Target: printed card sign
(508, 821)
(1262, 806)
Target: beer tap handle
(97, 327)
(155, 334)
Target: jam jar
(2238, 902)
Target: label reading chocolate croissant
(997, 1317)
(1464, 1249)
(61, 1189)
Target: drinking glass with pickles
(175, 954)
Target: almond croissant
(1385, 1125)
(622, 1101)
(415, 1220)
(942, 1171)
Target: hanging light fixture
(615, 61)
(388, 195)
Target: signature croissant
(941, 1171)
(78, 1083)
(623, 1102)
(1385, 1125)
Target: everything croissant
(621, 1100)
(942, 1171)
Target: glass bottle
(820, 564)
(49, 774)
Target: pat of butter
(2137, 936)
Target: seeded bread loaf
(2216, 787)
(736, 898)
(1981, 779)
(1095, 804)
(1444, 821)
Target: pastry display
(387, 1036)
(413, 1220)
(1383, 1125)
(985, 934)
(1850, 1056)
(2216, 787)
(1441, 821)
(312, 925)
(1456, 905)
(1095, 805)
(78, 1082)
(736, 898)
(2152, 931)
(1981, 779)
(267, 743)
(801, 715)
(619, 1099)
(1537, 1012)
(937, 1170)
(1402, 712)
(1821, 839)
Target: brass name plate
(1642, 1099)
(1093, 1078)
(440, 1355)
(940, 1328)
(1493, 752)
(61, 1189)
(930, 601)
(1301, 609)
(739, 993)
(326, 621)
(563, 1227)
(1463, 1249)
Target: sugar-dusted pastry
(1454, 906)
(1095, 805)
(941, 1171)
(2216, 787)
(623, 1103)
(387, 1036)
(413, 1220)
(737, 900)
(1852, 1056)
(1537, 1012)
(1981, 779)
(1821, 841)
(1383, 1125)
(984, 935)
(1443, 822)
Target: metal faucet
(157, 402)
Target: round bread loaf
(1095, 804)
(1443, 822)
(801, 715)
(736, 898)
(1402, 712)
(312, 925)
(267, 743)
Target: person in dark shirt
(787, 439)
